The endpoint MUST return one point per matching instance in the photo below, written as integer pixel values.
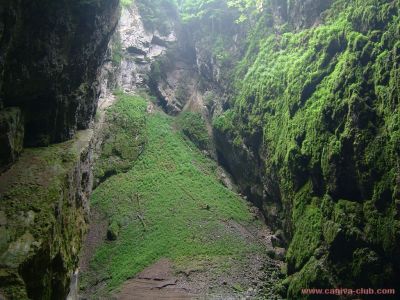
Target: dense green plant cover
(200, 10)
(323, 103)
(214, 10)
(126, 3)
(194, 127)
(316, 100)
(123, 138)
(170, 204)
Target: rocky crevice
(326, 182)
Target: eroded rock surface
(50, 53)
(139, 47)
(43, 215)
(50, 59)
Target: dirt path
(224, 278)
(155, 282)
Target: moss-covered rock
(194, 127)
(306, 239)
(11, 136)
(315, 274)
(317, 107)
(43, 215)
(123, 137)
(113, 231)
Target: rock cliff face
(317, 116)
(50, 53)
(11, 135)
(302, 14)
(50, 57)
(304, 100)
(139, 46)
(43, 215)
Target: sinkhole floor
(171, 215)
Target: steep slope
(310, 130)
(316, 125)
(170, 204)
(303, 97)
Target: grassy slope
(170, 204)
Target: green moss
(126, 3)
(224, 122)
(348, 214)
(12, 285)
(45, 222)
(11, 135)
(194, 127)
(325, 99)
(113, 231)
(124, 138)
(382, 229)
(307, 237)
(313, 275)
(369, 267)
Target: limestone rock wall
(43, 214)
(51, 57)
(50, 52)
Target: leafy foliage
(201, 10)
(217, 9)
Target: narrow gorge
(199, 149)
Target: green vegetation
(42, 220)
(169, 204)
(126, 3)
(12, 135)
(194, 127)
(323, 103)
(199, 10)
(214, 10)
(123, 139)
